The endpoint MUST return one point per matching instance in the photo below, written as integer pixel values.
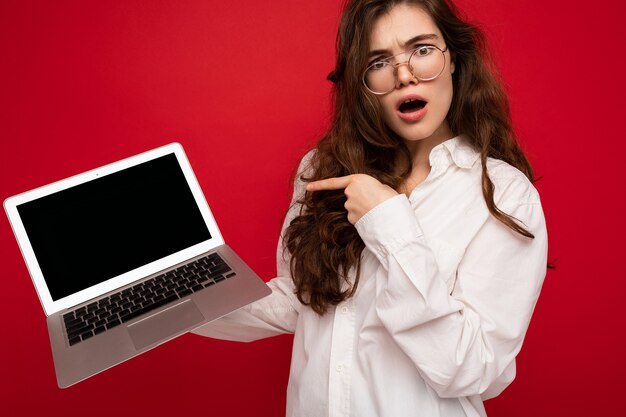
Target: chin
(414, 133)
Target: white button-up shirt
(443, 303)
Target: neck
(420, 149)
(420, 152)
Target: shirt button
(339, 368)
(344, 310)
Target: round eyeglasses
(426, 63)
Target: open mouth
(411, 105)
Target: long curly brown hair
(324, 246)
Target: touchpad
(164, 324)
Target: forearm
(270, 316)
(465, 342)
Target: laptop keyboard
(125, 305)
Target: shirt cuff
(389, 226)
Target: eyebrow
(414, 39)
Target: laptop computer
(124, 258)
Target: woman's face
(426, 103)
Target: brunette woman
(415, 248)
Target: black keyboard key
(137, 301)
(123, 315)
(216, 263)
(214, 274)
(73, 322)
(232, 274)
(113, 323)
(196, 287)
(86, 335)
(74, 340)
(184, 293)
(220, 267)
(218, 279)
(218, 271)
(99, 329)
(81, 325)
(79, 330)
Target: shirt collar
(457, 150)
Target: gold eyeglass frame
(407, 62)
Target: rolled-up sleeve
(463, 342)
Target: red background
(241, 84)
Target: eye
(378, 64)
(423, 50)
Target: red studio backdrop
(241, 84)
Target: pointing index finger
(336, 183)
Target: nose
(404, 76)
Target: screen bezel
(51, 306)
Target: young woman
(415, 248)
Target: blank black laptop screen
(95, 231)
